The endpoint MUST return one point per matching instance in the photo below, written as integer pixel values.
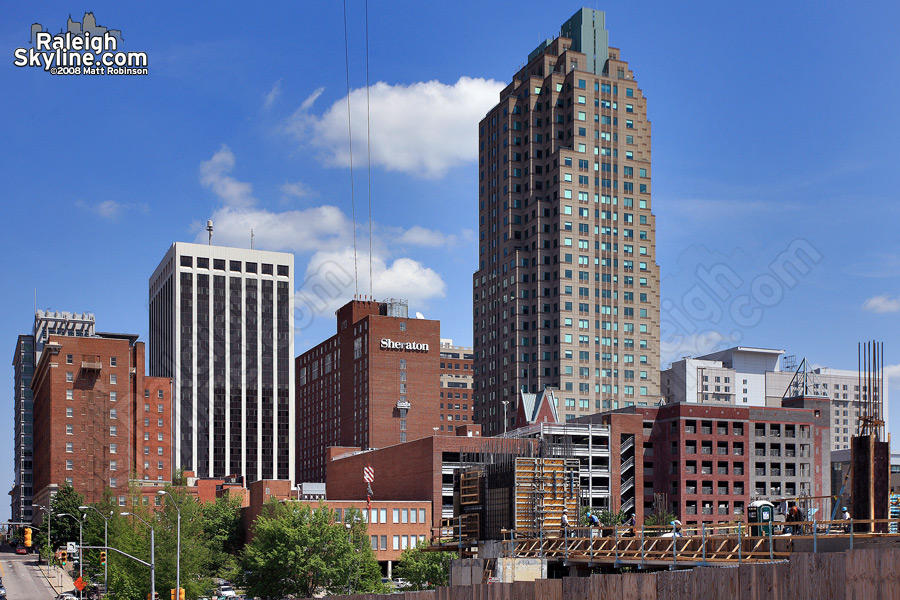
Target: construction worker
(565, 519)
(676, 528)
(845, 515)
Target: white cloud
(214, 174)
(695, 344)
(423, 129)
(330, 275)
(882, 304)
(304, 230)
(110, 209)
(273, 95)
(422, 236)
(297, 189)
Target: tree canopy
(424, 570)
(301, 552)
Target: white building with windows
(747, 376)
(222, 327)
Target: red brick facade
(411, 471)
(456, 402)
(393, 526)
(95, 412)
(373, 384)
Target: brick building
(393, 526)
(98, 419)
(373, 384)
(456, 401)
(566, 291)
(711, 460)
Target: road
(22, 579)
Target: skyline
(761, 139)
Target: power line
(350, 141)
(369, 152)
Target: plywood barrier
(868, 574)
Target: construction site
(523, 514)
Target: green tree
(302, 552)
(422, 569)
(607, 518)
(658, 520)
(223, 534)
(62, 529)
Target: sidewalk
(57, 574)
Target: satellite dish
(419, 315)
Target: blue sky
(775, 129)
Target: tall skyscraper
(566, 294)
(28, 352)
(222, 327)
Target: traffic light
(180, 593)
(103, 558)
(28, 537)
(172, 592)
(63, 555)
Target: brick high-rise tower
(566, 294)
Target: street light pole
(105, 546)
(80, 553)
(178, 555)
(152, 552)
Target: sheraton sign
(389, 344)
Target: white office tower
(222, 327)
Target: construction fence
(850, 575)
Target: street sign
(70, 547)
(79, 584)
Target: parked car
(225, 591)
(20, 549)
(2, 591)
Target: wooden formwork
(543, 488)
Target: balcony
(706, 491)
(721, 450)
(759, 452)
(91, 363)
(690, 429)
(707, 510)
(690, 489)
(722, 470)
(706, 430)
(691, 510)
(705, 450)
(760, 472)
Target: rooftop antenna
(251, 239)
(209, 228)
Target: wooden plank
(548, 589)
(747, 582)
(522, 590)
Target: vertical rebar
(851, 533)
(815, 536)
(703, 542)
(739, 543)
(769, 525)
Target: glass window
(396, 516)
(421, 515)
(70, 447)
(69, 411)
(112, 361)
(113, 448)
(112, 465)
(112, 430)
(396, 542)
(70, 464)
(69, 429)
(405, 515)
(383, 515)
